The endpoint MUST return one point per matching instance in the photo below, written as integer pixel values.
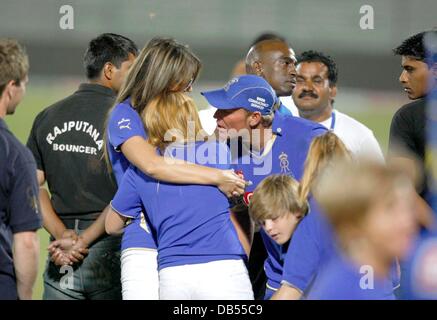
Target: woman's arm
(143, 155)
(114, 223)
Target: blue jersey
(125, 123)
(286, 155)
(191, 222)
(312, 247)
(418, 272)
(341, 279)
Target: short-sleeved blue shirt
(286, 156)
(19, 205)
(190, 222)
(341, 279)
(125, 123)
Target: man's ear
(255, 119)
(9, 88)
(333, 92)
(258, 68)
(108, 70)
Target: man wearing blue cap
(272, 143)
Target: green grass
(37, 98)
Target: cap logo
(230, 82)
(259, 103)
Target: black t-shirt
(19, 206)
(407, 135)
(67, 143)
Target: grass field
(39, 97)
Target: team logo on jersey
(283, 158)
(124, 124)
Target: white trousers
(217, 280)
(139, 274)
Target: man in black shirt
(19, 207)
(407, 131)
(67, 143)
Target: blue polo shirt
(192, 223)
(19, 205)
(286, 156)
(124, 123)
(312, 248)
(341, 279)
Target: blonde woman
(199, 253)
(162, 67)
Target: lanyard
(332, 121)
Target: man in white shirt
(314, 98)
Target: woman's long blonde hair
(324, 151)
(172, 117)
(163, 65)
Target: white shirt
(289, 104)
(209, 123)
(359, 139)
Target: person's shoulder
(123, 108)
(299, 124)
(352, 124)
(411, 109)
(13, 150)
(53, 110)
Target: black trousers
(258, 255)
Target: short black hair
(107, 47)
(414, 46)
(267, 36)
(315, 56)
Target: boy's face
(281, 228)
(390, 225)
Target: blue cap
(250, 92)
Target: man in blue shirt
(273, 143)
(19, 206)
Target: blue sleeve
(124, 123)
(303, 257)
(24, 195)
(127, 200)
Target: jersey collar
(97, 88)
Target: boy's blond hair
(347, 192)
(276, 196)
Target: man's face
(281, 228)
(17, 93)
(313, 92)
(119, 74)
(230, 122)
(414, 77)
(278, 67)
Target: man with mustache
(316, 88)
